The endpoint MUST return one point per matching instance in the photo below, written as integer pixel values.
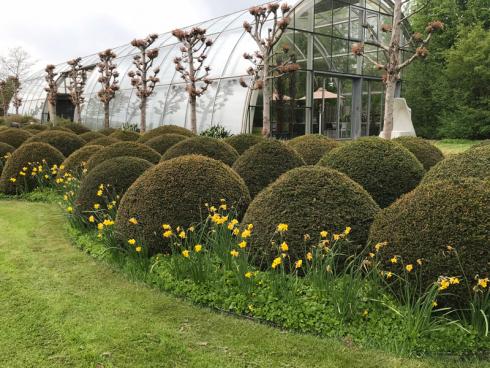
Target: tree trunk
(193, 103)
(52, 113)
(106, 115)
(389, 102)
(78, 116)
(266, 109)
(143, 114)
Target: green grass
(454, 146)
(61, 308)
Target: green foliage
(384, 168)
(161, 143)
(15, 137)
(20, 119)
(5, 151)
(125, 135)
(486, 142)
(65, 142)
(312, 147)
(77, 160)
(424, 151)
(133, 149)
(175, 192)
(206, 146)
(216, 131)
(90, 136)
(35, 128)
(165, 129)
(242, 142)
(60, 128)
(103, 141)
(264, 162)
(77, 128)
(106, 131)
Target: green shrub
(5, 151)
(20, 119)
(15, 137)
(474, 163)
(106, 131)
(133, 149)
(175, 192)
(216, 131)
(426, 152)
(103, 141)
(35, 128)
(422, 224)
(77, 128)
(3, 127)
(77, 160)
(242, 142)
(65, 142)
(206, 146)
(312, 147)
(263, 163)
(116, 174)
(60, 128)
(90, 136)
(309, 200)
(165, 129)
(162, 143)
(125, 135)
(28, 153)
(483, 143)
(384, 168)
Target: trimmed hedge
(90, 136)
(426, 152)
(206, 146)
(28, 153)
(103, 141)
(15, 137)
(263, 163)
(77, 128)
(125, 135)
(5, 149)
(162, 143)
(309, 199)
(133, 149)
(175, 192)
(474, 163)
(116, 174)
(74, 163)
(106, 131)
(165, 129)
(60, 128)
(384, 168)
(35, 128)
(243, 142)
(312, 147)
(483, 143)
(65, 142)
(423, 223)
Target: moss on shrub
(125, 135)
(243, 142)
(163, 142)
(103, 141)
(175, 192)
(165, 129)
(35, 128)
(422, 224)
(206, 146)
(426, 152)
(133, 149)
(309, 199)
(78, 159)
(28, 153)
(15, 137)
(312, 147)
(116, 174)
(474, 163)
(77, 128)
(65, 142)
(90, 136)
(384, 168)
(265, 162)
(106, 131)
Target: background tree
(6, 94)
(77, 76)
(52, 90)
(108, 80)
(142, 79)
(194, 49)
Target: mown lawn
(454, 146)
(60, 308)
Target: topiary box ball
(426, 152)
(165, 129)
(384, 168)
(77, 128)
(103, 141)
(14, 137)
(175, 192)
(242, 142)
(312, 147)
(125, 135)
(65, 142)
(5, 152)
(163, 142)
(444, 226)
(264, 162)
(309, 200)
(90, 136)
(77, 161)
(106, 131)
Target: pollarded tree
(52, 90)
(194, 49)
(108, 80)
(392, 51)
(78, 77)
(142, 79)
(267, 62)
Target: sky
(53, 31)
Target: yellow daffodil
(69, 209)
(336, 237)
(132, 241)
(371, 255)
(167, 233)
(250, 227)
(483, 283)
(166, 227)
(242, 244)
(212, 209)
(365, 313)
(444, 284)
(394, 260)
(99, 193)
(276, 262)
(389, 275)
(182, 235)
(248, 274)
(197, 248)
(192, 229)
(284, 247)
(236, 231)
(234, 253)
(298, 263)
(100, 226)
(223, 207)
(419, 262)
(409, 267)
(434, 304)
(96, 206)
(454, 280)
(323, 234)
(13, 180)
(186, 253)
(138, 249)
(282, 228)
(347, 230)
(246, 233)
(91, 219)
(309, 256)
(133, 221)
(22, 173)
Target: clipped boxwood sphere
(265, 162)
(426, 152)
(3, 127)
(66, 142)
(15, 137)
(423, 223)
(116, 174)
(162, 143)
(483, 143)
(175, 192)
(5, 151)
(103, 141)
(125, 135)
(118, 149)
(309, 200)
(384, 168)
(206, 146)
(28, 153)
(474, 163)
(90, 136)
(312, 147)
(35, 128)
(106, 131)
(77, 160)
(165, 129)
(242, 142)
(62, 128)
(77, 128)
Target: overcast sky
(53, 31)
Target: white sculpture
(402, 120)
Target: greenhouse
(334, 93)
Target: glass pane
(341, 20)
(156, 106)
(119, 107)
(176, 105)
(323, 16)
(229, 105)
